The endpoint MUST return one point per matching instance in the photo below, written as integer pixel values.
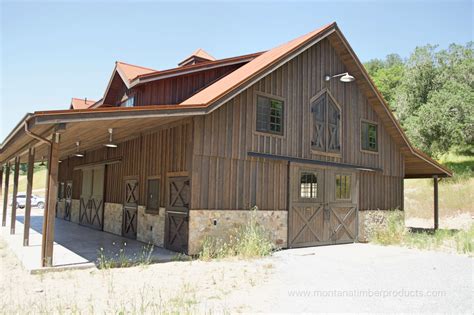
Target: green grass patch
(461, 165)
(395, 233)
(249, 241)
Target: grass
(456, 195)
(120, 259)
(249, 241)
(39, 182)
(395, 233)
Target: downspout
(35, 136)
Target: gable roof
(130, 72)
(81, 103)
(197, 54)
(253, 68)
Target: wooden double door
(323, 206)
(91, 204)
(130, 209)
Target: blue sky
(52, 51)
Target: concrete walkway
(75, 246)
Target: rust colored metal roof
(81, 103)
(196, 67)
(251, 69)
(132, 71)
(198, 53)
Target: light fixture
(345, 77)
(78, 154)
(111, 143)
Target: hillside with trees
(432, 94)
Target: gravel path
(354, 278)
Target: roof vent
(197, 56)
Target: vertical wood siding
(153, 154)
(223, 138)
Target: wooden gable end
(230, 131)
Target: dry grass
(39, 182)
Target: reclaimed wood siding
(159, 153)
(223, 138)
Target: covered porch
(90, 139)
(76, 246)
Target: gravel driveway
(363, 278)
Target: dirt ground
(181, 286)
(325, 279)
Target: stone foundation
(151, 227)
(75, 210)
(369, 220)
(113, 213)
(201, 224)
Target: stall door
(323, 207)
(130, 209)
(177, 214)
(91, 210)
(68, 197)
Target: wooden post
(14, 194)
(29, 191)
(5, 194)
(50, 208)
(1, 179)
(436, 205)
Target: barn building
(172, 156)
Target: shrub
(389, 230)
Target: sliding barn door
(91, 211)
(130, 209)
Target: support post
(50, 208)
(1, 179)
(14, 194)
(5, 194)
(29, 191)
(436, 205)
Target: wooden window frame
(147, 209)
(315, 173)
(335, 185)
(319, 152)
(371, 122)
(282, 134)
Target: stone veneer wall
(371, 219)
(75, 210)
(201, 224)
(151, 227)
(113, 213)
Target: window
(326, 125)
(129, 102)
(343, 186)
(269, 115)
(153, 195)
(308, 185)
(369, 136)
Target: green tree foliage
(432, 93)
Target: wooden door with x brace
(177, 214)
(130, 209)
(324, 206)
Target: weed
(248, 241)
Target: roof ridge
(136, 66)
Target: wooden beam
(1, 178)
(29, 190)
(50, 209)
(14, 194)
(5, 194)
(436, 205)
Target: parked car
(36, 201)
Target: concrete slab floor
(75, 246)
